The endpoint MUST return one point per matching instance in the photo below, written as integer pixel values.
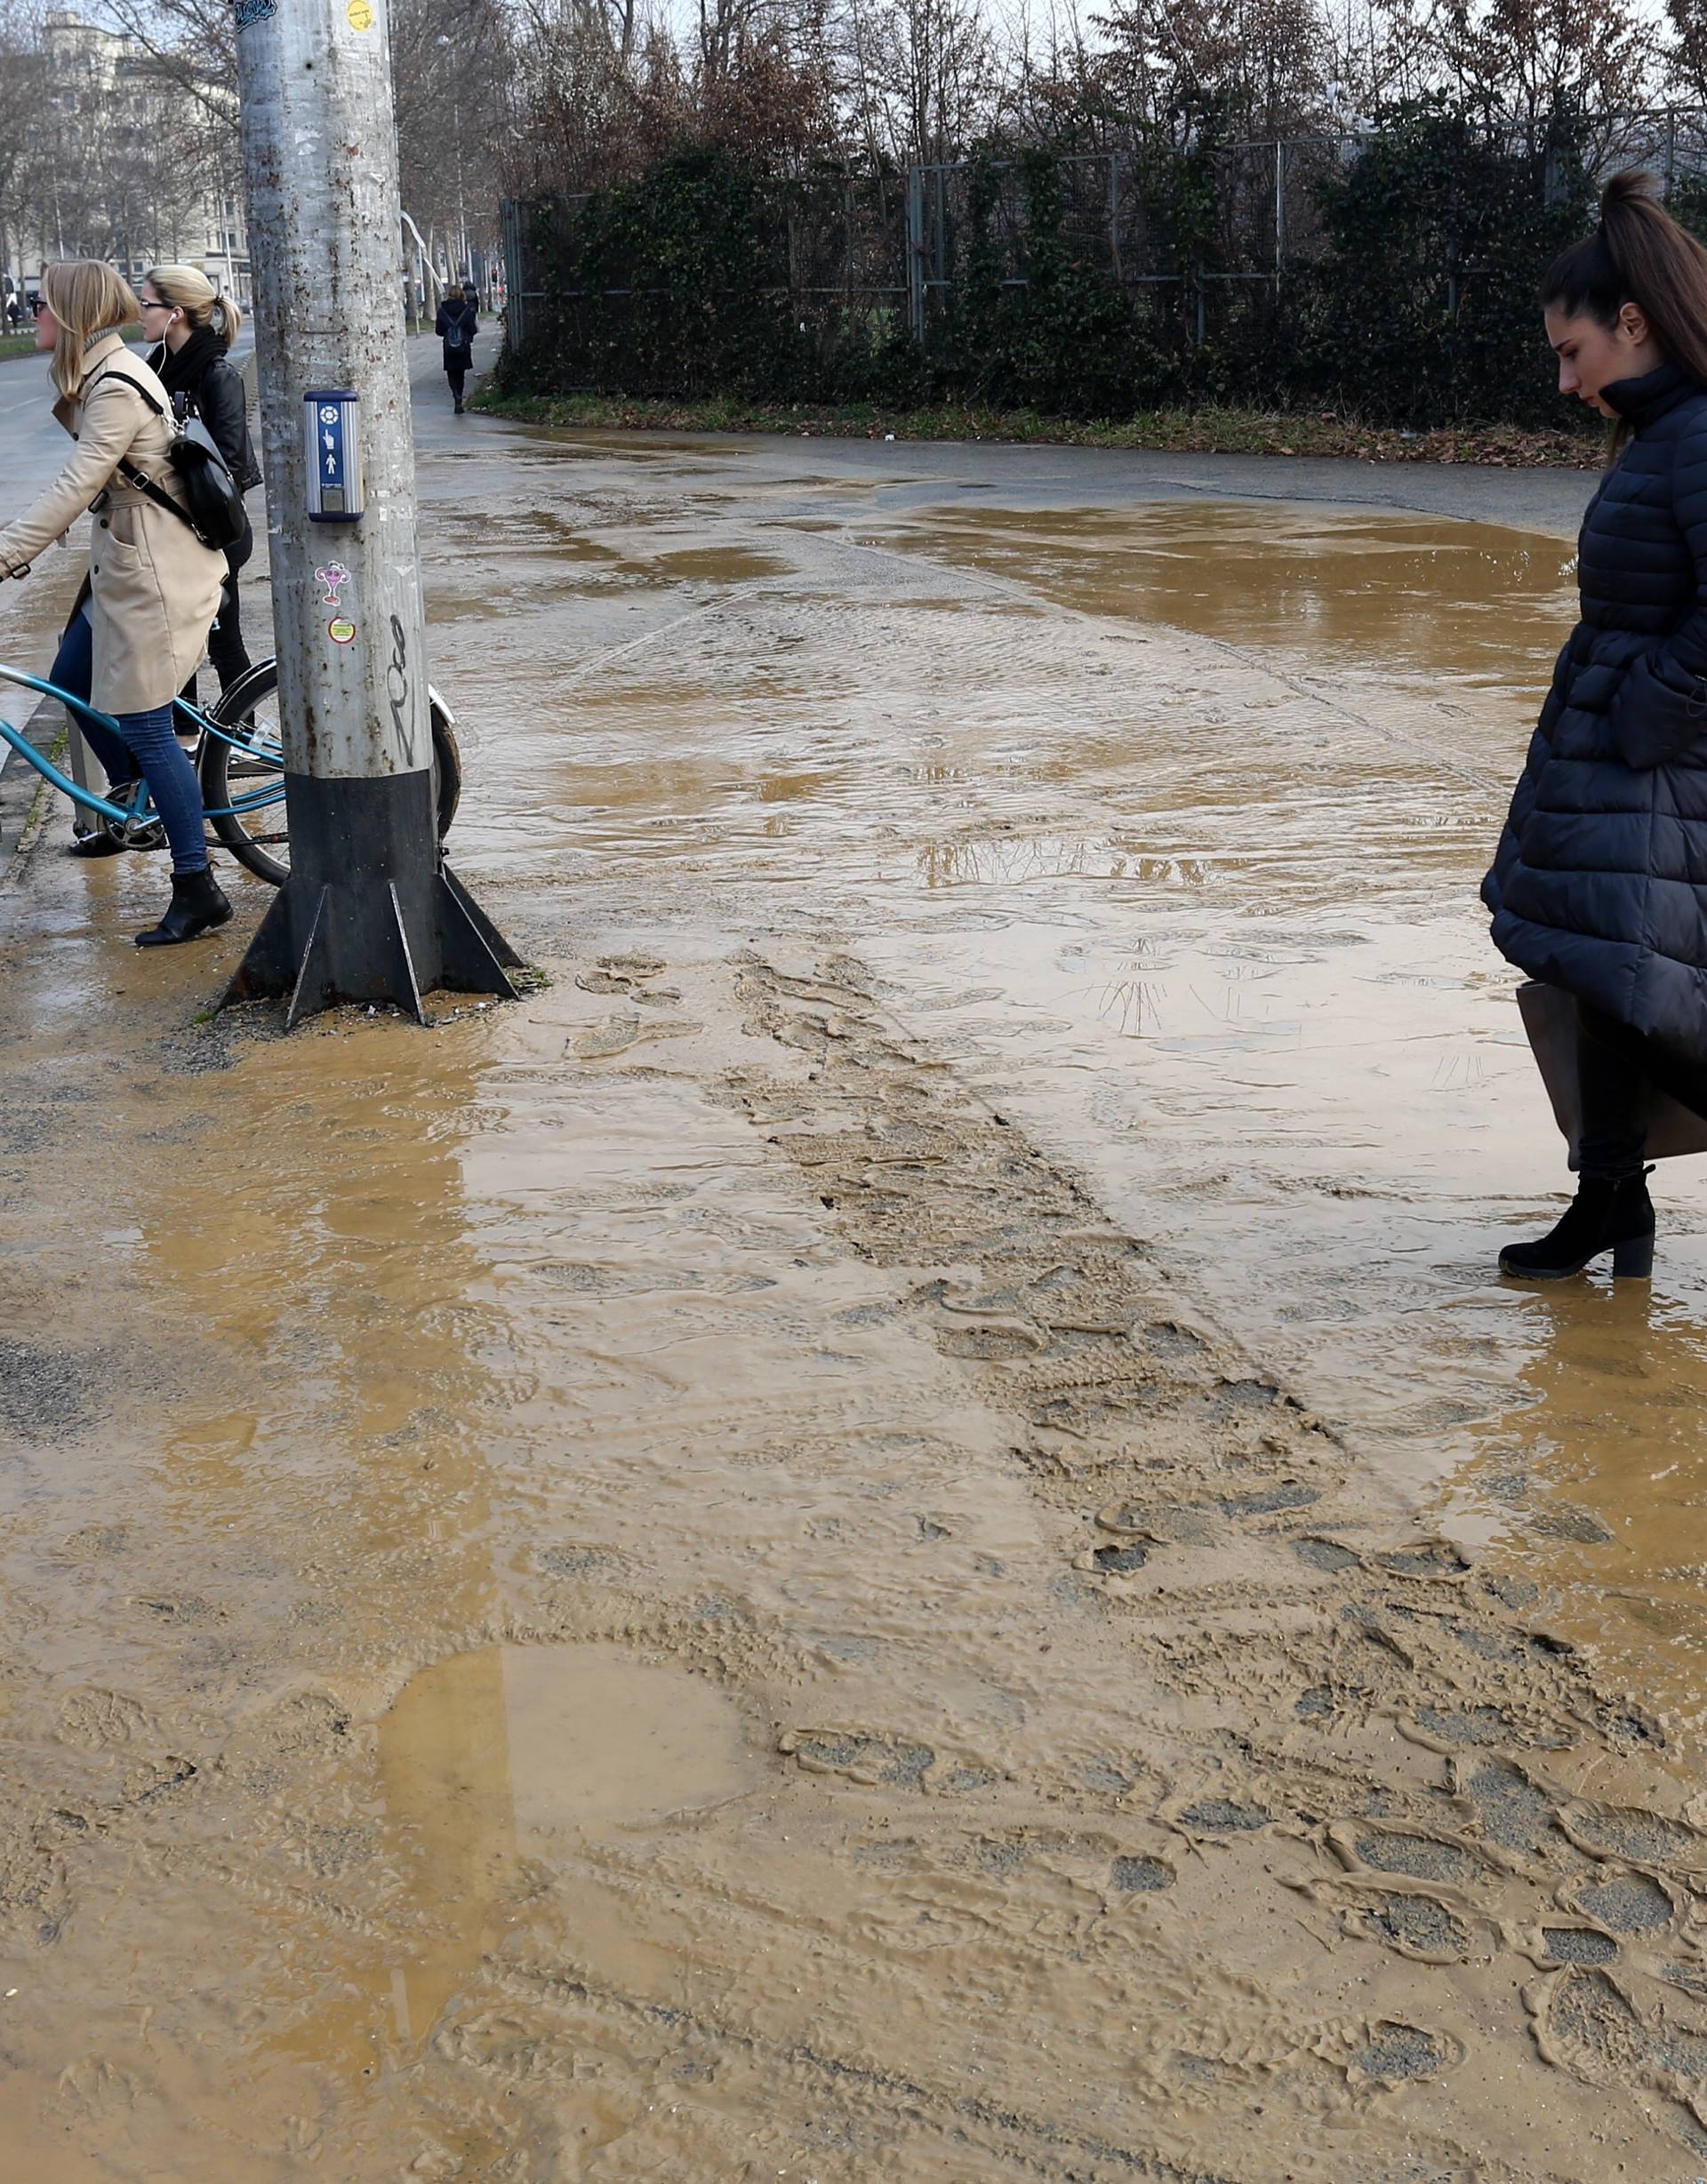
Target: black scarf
(182, 371)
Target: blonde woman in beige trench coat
(154, 588)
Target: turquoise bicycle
(240, 760)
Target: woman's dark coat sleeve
(224, 409)
(1659, 713)
(1523, 796)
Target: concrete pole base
(368, 914)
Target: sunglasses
(38, 307)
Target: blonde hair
(188, 290)
(87, 298)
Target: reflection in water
(1400, 593)
(494, 1761)
(1600, 1471)
(1129, 1005)
(324, 1234)
(998, 859)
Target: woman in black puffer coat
(1599, 883)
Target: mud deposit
(895, 1532)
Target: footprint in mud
(1140, 1876)
(1326, 1555)
(1628, 1903)
(1419, 1857)
(1585, 2023)
(1637, 1837)
(1183, 1524)
(1435, 1561)
(859, 1755)
(1508, 1806)
(1578, 1945)
(615, 1035)
(1238, 1398)
(98, 1719)
(1091, 1413)
(1396, 2052)
(1443, 1729)
(612, 982)
(1416, 1926)
(1271, 1501)
(1223, 1816)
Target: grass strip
(1211, 431)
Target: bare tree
(1531, 63)
(927, 73)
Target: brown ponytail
(1639, 254)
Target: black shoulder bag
(215, 513)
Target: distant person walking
(192, 327)
(458, 316)
(154, 588)
(1599, 883)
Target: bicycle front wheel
(243, 779)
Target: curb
(24, 795)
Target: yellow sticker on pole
(360, 14)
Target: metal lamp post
(465, 268)
(370, 911)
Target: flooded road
(898, 1529)
(1206, 912)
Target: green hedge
(1418, 311)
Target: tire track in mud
(1451, 1784)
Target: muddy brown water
(896, 1529)
(1197, 932)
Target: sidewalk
(816, 1552)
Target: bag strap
(158, 494)
(128, 470)
(135, 386)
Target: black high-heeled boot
(1609, 1213)
(199, 903)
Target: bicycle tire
(228, 770)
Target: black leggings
(225, 646)
(227, 654)
(456, 374)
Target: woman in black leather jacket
(193, 326)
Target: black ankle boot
(198, 905)
(1609, 1213)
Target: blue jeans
(144, 744)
